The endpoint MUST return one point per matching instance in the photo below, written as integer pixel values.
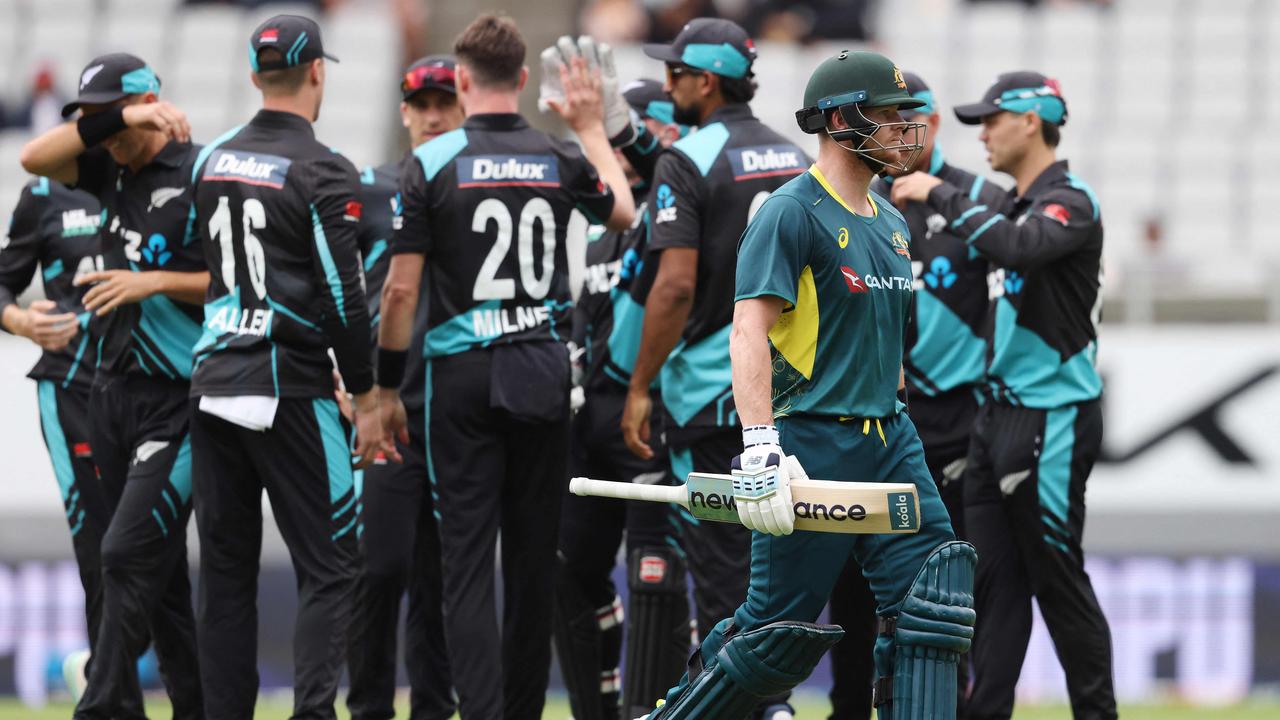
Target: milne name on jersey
(78, 222)
(538, 170)
(766, 160)
(240, 321)
(504, 321)
(233, 166)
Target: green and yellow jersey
(846, 279)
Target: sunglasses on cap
(675, 71)
(418, 78)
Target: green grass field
(810, 707)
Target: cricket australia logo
(900, 244)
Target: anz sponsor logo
(79, 222)
(250, 169)
(665, 200)
(765, 161)
(1001, 283)
(508, 171)
(601, 277)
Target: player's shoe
(73, 667)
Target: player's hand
(113, 288)
(394, 418)
(371, 437)
(915, 186)
(762, 483)
(583, 104)
(160, 116)
(635, 423)
(344, 400)
(42, 326)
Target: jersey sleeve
(20, 251)
(94, 167)
(1058, 224)
(335, 213)
(676, 202)
(773, 251)
(590, 194)
(412, 221)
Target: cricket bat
(820, 505)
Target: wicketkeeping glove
(619, 123)
(762, 482)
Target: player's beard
(685, 115)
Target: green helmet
(861, 78)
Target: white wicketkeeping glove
(618, 124)
(762, 482)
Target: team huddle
(408, 362)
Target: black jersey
(1046, 285)
(144, 227)
(56, 229)
(705, 189)
(489, 205)
(276, 213)
(380, 196)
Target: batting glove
(762, 483)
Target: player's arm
(643, 152)
(19, 257)
(113, 288)
(750, 357)
(675, 237)
(54, 153)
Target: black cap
(433, 72)
(648, 99)
(920, 90)
(711, 44)
(1019, 92)
(296, 37)
(108, 78)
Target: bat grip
(629, 491)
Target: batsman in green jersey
(823, 294)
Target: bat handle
(630, 491)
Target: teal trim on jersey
(458, 333)
(436, 153)
(695, 375)
(555, 306)
(275, 371)
(723, 59)
(291, 57)
(426, 441)
(288, 313)
(379, 247)
(55, 438)
(1036, 373)
(53, 270)
(189, 232)
(967, 214)
(164, 529)
(1080, 185)
(142, 80)
(41, 187)
(337, 456)
(628, 323)
(326, 262)
(704, 146)
(350, 503)
(84, 344)
(211, 310)
(366, 175)
(140, 343)
(1054, 472)
(984, 227)
(180, 473)
(946, 350)
(208, 150)
(682, 463)
(975, 190)
(173, 333)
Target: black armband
(391, 367)
(99, 126)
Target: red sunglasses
(417, 78)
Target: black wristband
(99, 126)
(391, 367)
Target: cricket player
(400, 543)
(485, 210)
(1034, 444)
(589, 620)
(823, 294)
(132, 151)
(276, 213)
(705, 189)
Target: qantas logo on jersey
(852, 281)
(508, 171)
(76, 223)
(765, 161)
(858, 285)
(248, 168)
